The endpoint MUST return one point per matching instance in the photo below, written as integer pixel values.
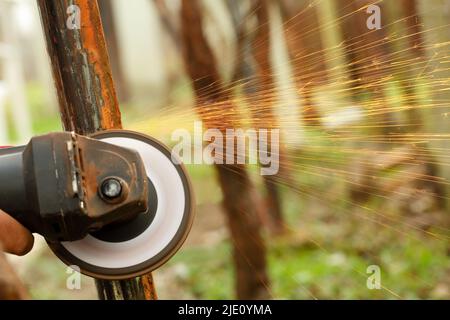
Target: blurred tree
(411, 87)
(213, 102)
(170, 23)
(172, 43)
(254, 66)
(367, 52)
(301, 27)
(373, 58)
(402, 21)
(413, 83)
(413, 24)
(264, 116)
(109, 27)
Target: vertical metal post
(86, 94)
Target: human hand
(14, 237)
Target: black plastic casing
(51, 185)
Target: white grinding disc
(156, 244)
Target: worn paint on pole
(80, 65)
(86, 93)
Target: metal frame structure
(86, 93)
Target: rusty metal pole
(86, 94)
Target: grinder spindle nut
(111, 188)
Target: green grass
(408, 270)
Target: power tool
(115, 204)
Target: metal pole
(86, 94)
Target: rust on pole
(86, 94)
(80, 65)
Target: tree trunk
(411, 86)
(249, 251)
(264, 115)
(254, 64)
(110, 30)
(306, 54)
(413, 25)
(367, 52)
(169, 23)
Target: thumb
(15, 238)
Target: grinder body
(12, 184)
(53, 185)
(114, 204)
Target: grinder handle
(12, 185)
(10, 150)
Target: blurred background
(364, 120)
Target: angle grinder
(114, 204)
